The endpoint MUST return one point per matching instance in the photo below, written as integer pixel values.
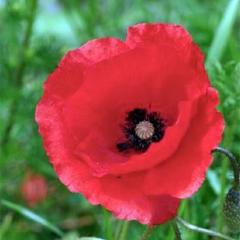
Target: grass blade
(223, 32)
(5, 225)
(33, 216)
(90, 238)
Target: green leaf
(33, 216)
(214, 181)
(90, 238)
(223, 32)
(74, 236)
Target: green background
(34, 35)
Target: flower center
(144, 130)
(141, 128)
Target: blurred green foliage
(34, 36)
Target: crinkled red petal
(186, 169)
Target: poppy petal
(68, 77)
(189, 164)
(90, 114)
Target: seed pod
(231, 210)
(144, 130)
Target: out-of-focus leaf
(223, 32)
(214, 181)
(6, 224)
(31, 215)
(90, 238)
(74, 236)
(70, 236)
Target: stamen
(141, 129)
(144, 130)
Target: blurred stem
(118, 229)
(176, 229)
(107, 224)
(20, 70)
(147, 233)
(223, 180)
(186, 211)
(26, 42)
(202, 230)
(234, 163)
(5, 225)
(183, 211)
(170, 235)
(123, 231)
(224, 169)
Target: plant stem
(224, 169)
(118, 230)
(26, 42)
(234, 163)
(20, 70)
(5, 225)
(177, 231)
(202, 230)
(147, 233)
(123, 232)
(107, 224)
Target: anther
(141, 129)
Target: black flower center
(141, 128)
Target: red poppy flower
(34, 189)
(131, 125)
